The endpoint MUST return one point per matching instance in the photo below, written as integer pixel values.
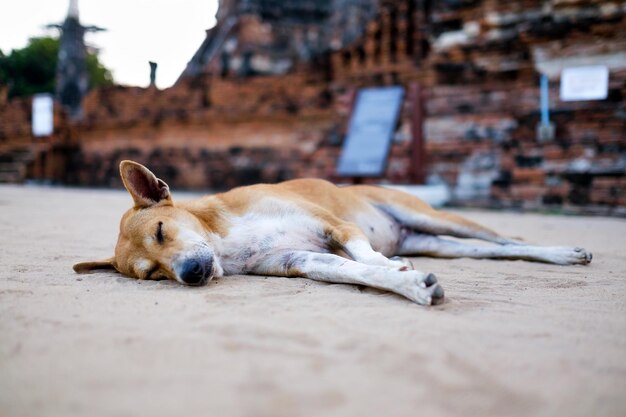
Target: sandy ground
(512, 339)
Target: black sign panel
(366, 148)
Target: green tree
(32, 69)
(99, 75)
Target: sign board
(43, 115)
(373, 122)
(585, 83)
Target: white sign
(585, 83)
(43, 115)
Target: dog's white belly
(254, 237)
(276, 227)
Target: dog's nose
(193, 272)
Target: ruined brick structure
(268, 95)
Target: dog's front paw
(424, 288)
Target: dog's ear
(84, 267)
(145, 188)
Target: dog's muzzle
(196, 271)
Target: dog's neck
(211, 212)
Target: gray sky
(165, 31)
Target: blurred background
(516, 104)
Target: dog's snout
(195, 272)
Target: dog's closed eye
(159, 233)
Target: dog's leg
(348, 238)
(441, 223)
(361, 251)
(415, 214)
(417, 286)
(422, 244)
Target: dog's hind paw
(571, 256)
(584, 257)
(402, 263)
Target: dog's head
(157, 239)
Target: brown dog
(301, 228)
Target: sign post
(545, 129)
(418, 150)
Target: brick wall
(478, 63)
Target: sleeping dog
(300, 228)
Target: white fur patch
(189, 237)
(274, 226)
(142, 266)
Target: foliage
(99, 75)
(32, 69)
